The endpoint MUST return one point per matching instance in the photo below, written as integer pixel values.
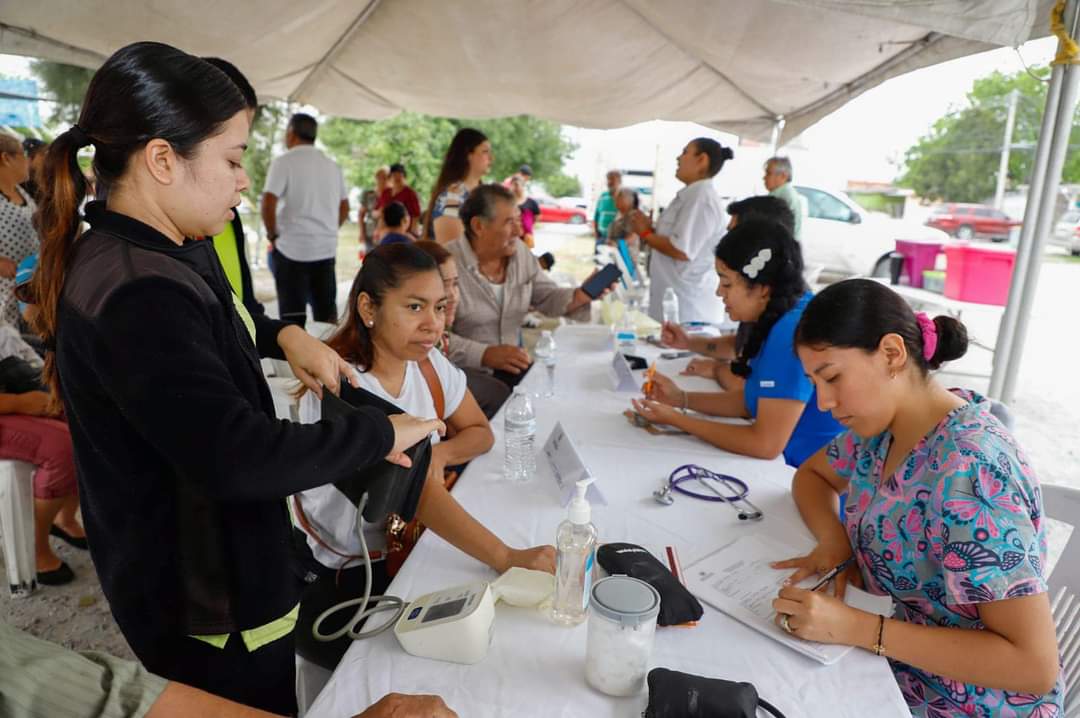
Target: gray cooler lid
(625, 600)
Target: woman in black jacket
(183, 468)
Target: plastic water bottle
(520, 424)
(625, 330)
(671, 306)
(545, 355)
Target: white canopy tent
(749, 67)
(738, 65)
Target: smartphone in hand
(595, 285)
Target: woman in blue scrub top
(761, 281)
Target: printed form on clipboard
(738, 580)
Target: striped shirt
(43, 680)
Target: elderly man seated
(500, 279)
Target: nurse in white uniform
(685, 236)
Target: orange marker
(649, 374)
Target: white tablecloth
(535, 668)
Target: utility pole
(1003, 168)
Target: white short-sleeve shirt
(329, 512)
(695, 222)
(309, 187)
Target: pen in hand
(833, 573)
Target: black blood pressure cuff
(391, 489)
(677, 604)
(680, 695)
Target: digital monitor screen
(444, 610)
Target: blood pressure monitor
(454, 624)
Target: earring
(371, 324)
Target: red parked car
(551, 212)
(968, 221)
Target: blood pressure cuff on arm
(677, 604)
(680, 695)
(391, 489)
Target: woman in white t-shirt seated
(390, 336)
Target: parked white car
(845, 239)
(1067, 232)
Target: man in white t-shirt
(304, 202)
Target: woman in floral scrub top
(943, 513)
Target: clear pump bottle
(575, 545)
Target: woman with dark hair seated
(500, 279)
(390, 335)
(761, 282)
(943, 514)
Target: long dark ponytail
(857, 313)
(765, 253)
(144, 91)
(384, 268)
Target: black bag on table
(673, 694)
(677, 604)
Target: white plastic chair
(17, 526)
(1063, 503)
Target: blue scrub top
(777, 373)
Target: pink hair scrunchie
(929, 334)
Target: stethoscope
(691, 472)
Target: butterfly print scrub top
(958, 524)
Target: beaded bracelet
(879, 647)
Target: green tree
(361, 147)
(64, 83)
(267, 129)
(420, 141)
(957, 160)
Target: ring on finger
(784, 618)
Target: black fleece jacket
(183, 468)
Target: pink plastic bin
(918, 257)
(979, 274)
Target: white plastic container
(622, 624)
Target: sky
(864, 140)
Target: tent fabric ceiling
(736, 65)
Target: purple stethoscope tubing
(738, 487)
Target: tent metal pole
(1070, 85)
(1007, 326)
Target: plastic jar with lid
(622, 623)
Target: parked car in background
(844, 239)
(551, 211)
(572, 202)
(969, 221)
(1067, 232)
